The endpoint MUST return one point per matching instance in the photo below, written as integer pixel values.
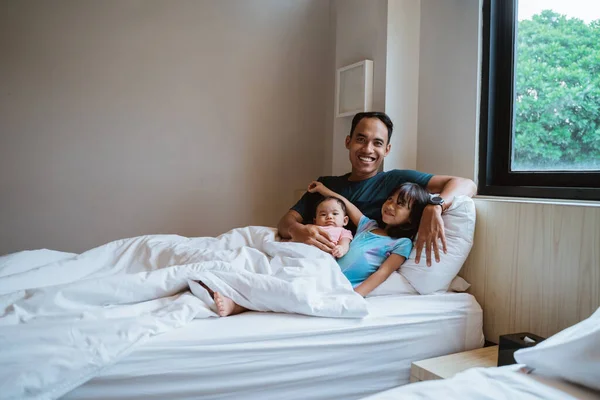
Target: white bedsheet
(63, 322)
(282, 356)
(501, 383)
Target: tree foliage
(557, 101)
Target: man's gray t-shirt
(368, 195)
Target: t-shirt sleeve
(346, 234)
(303, 207)
(306, 206)
(365, 224)
(402, 247)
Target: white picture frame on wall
(354, 89)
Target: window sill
(556, 202)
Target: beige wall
(360, 33)
(448, 84)
(386, 32)
(121, 118)
(402, 81)
(534, 266)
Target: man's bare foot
(226, 306)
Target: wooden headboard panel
(534, 267)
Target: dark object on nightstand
(513, 342)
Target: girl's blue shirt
(368, 251)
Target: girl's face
(395, 211)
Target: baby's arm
(391, 264)
(353, 211)
(342, 248)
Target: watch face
(436, 200)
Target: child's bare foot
(226, 306)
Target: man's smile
(366, 159)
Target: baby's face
(330, 213)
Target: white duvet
(64, 317)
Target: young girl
(376, 252)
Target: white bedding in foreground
(273, 356)
(63, 322)
(501, 383)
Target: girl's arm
(391, 264)
(353, 211)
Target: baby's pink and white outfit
(336, 233)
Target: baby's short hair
(340, 202)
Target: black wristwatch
(437, 201)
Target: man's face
(367, 147)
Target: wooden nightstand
(447, 366)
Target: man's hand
(430, 230)
(313, 235)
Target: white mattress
(283, 356)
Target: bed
(273, 356)
(129, 320)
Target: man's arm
(289, 219)
(451, 186)
(290, 227)
(431, 227)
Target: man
(366, 187)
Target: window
(540, 105)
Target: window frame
(497, 118)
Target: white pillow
(396, 284)
(572, 354)
(458, 284)
(459, 224)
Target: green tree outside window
(557, 100)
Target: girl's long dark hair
(416, 198)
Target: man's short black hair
(383, 117)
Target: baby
(331, 217)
